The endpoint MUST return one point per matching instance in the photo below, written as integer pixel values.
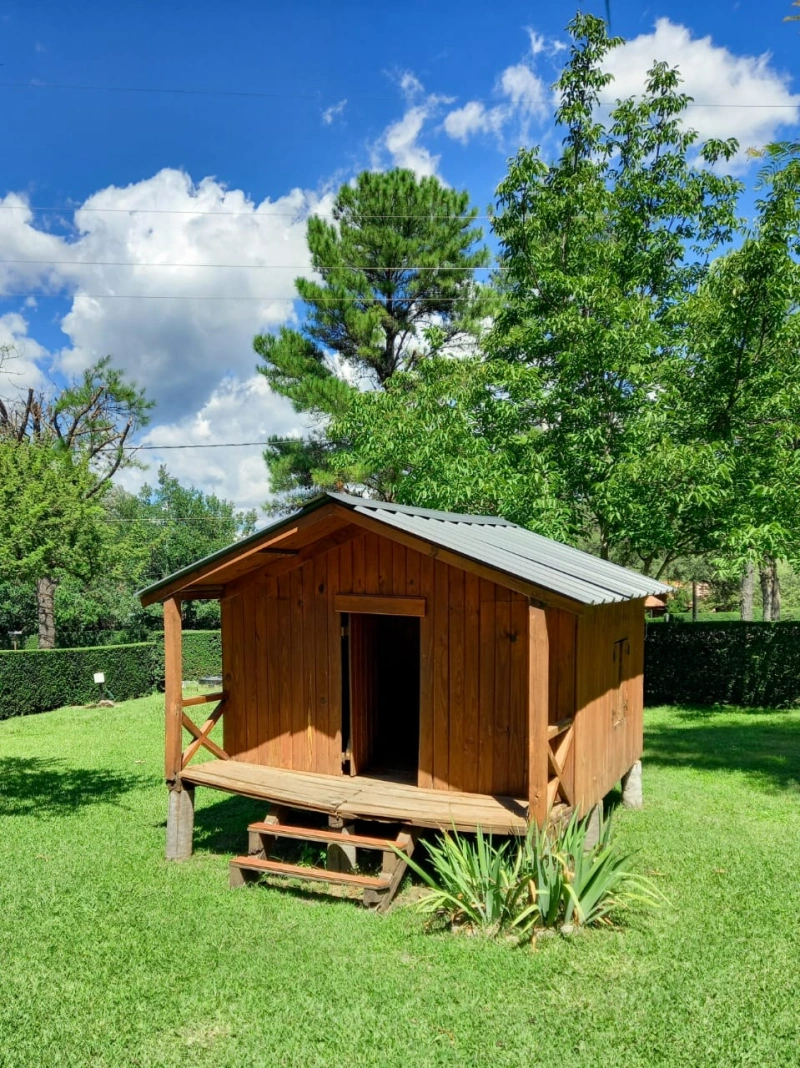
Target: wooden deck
(363, 797)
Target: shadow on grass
(765, 746)
(221, 827)
(32, 786)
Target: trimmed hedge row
(735, 663)
(37, 680)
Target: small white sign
(99, 678)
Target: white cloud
(401, 139)
(463, 123)
(549, 46)
(125, 272)
(411, 85)
(237, 410)
(175, 328)
(721, 82)
(333, 112)
(22, 358)
(524, 96)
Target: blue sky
(277, 105)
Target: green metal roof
(490, 540)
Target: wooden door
(363, 690)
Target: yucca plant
(599, 881)
(474, 882)
(546, 879)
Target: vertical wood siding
(608, 693)
(282, 666)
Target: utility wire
(253, 213)
(315, 95)
(249, 266)
(214, 296)
(215, 444)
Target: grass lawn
(111, 956)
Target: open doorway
(384, 686)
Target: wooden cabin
(405, 667)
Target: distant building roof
(490, 540)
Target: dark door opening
(384, 695)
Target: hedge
(735, 663)
(202, 654)
(37, 680)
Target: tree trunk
(767, 575)
(45, 605)
(694, 601)
(746, 592)
(776, 593)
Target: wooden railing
(201, 734)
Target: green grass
(111, 956)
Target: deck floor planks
(363, 796)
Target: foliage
(737, 388)
(449, 436)
(50, 515)
(202, 655)
(38, 680)
(165, 527)
(142, 538)
(546, 879)
(59, 455)
(396, 282)
(569, 428)
(723, 662)
(721, 828)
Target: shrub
(546, 879)
(748, 664)
(202, 654)
(36, 680)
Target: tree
(598, 251)
(396, 275)
(75, 442)
(739, 387)
(163, 528)
(49, 521)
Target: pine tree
(396, 271)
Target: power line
(213, 296)
(215, 444)
(252, 214)
(247, 266)
(317, 94)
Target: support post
(594, 816)
(259, 844)
(173, 689)
(341, 857)
(180, 822)
(538, 712)
(632, 787)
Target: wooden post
(341, 857)
(538, 712)
(180, 810)
(173, 689)
(180, 822)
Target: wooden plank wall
(282, 666)
(562, 632)
(603, 752)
